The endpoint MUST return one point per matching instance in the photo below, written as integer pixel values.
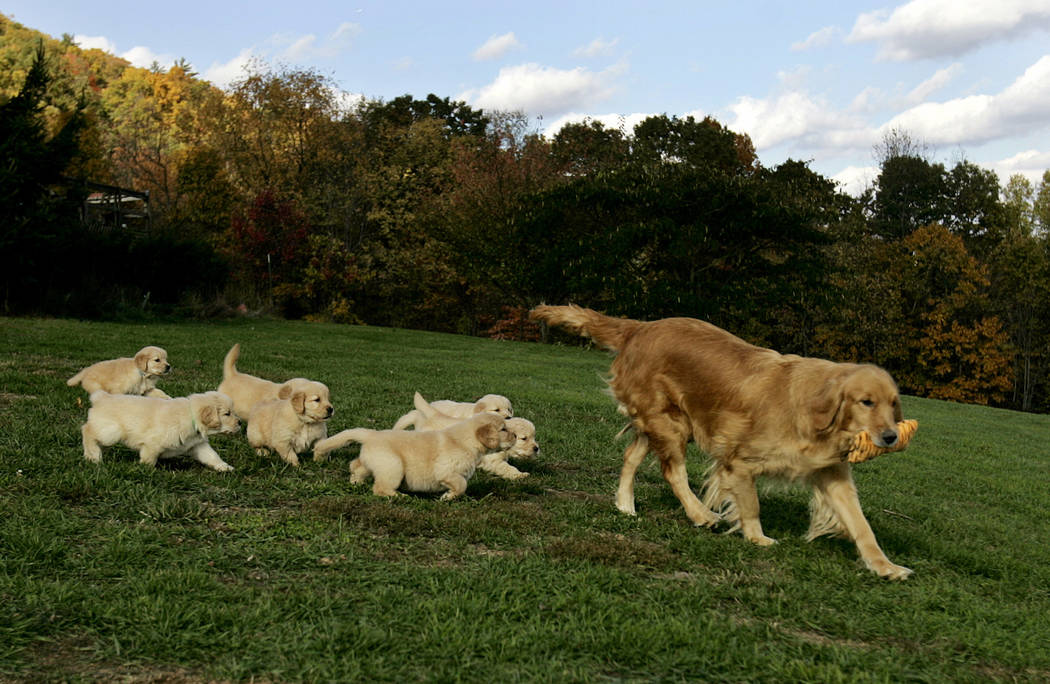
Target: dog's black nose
(330, 410)
(889, 437)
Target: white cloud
(545, 91)
(1031, 164)
(795, 117)
(222, 75)
(621, 122)
(497, 46)
(139, 56)
(854, 180)
(1021, 108)
(307, 47)
(938, 28)
(599, 47)
(95, 43)
(934, 83)
(818, 38)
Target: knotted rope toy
(863, 449)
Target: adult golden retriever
(753, 410)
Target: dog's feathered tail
(229, 364)
(340, 440)
(75, 380)
(606, 331)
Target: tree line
(431, 214)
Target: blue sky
(819, 81)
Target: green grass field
(123, 573)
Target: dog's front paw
(223, 467)
(762, 540)
(889, 570)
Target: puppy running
(524, 432)
(490, 403)
(137, 375)
(290, 426)
(429, 461)
(525, 446)
(248, 391)
(159, 428)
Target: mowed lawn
(119, 572)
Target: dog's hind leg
(456, 484)
(668, 439)
(740, 485)
(632, 458)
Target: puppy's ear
(488, 435)
(284, 392)
(209, 417)
(142, 360)
(298, 400)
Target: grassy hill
(119, 572)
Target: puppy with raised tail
(421, 461)
(159, 428)
(490, 403)
(291, 426)
(524, 432)
(135, 375)
(248, 391)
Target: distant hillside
(76, 71)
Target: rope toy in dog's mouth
(863, 449)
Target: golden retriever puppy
(290, 426)
(490, 403)
(752, 410)
(159, 428)
(524, 432)
(137, 375)
(422, 461)
(248, 391)
(525, 446)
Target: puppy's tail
(406, 420)
(423, 406)
(75, 380)
(340, 440)
(606, 331)
(229, 364)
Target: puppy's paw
(222, 467)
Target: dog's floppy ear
(142, 359)
(824, 408)
(488, 435)
(285, 391)
(298, 400)
(208, 416)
